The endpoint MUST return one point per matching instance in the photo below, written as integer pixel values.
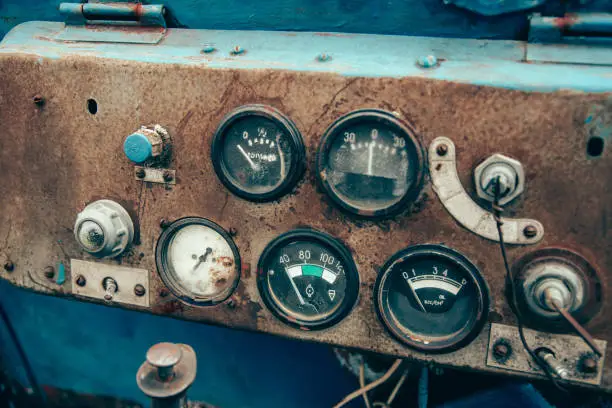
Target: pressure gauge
(308, 279)
(258, 153)
(431, 298)
(198, 261)
(370, 163)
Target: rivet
(164, 223)
(139, 290)
(442, 149)
(530, 231)
(427, 61)
(233, 231)
(140, 173)
(81, 281)
(49, 272)
(323, 57)
(168, 176)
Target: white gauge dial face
(201, 261)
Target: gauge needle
(370, 156)
(202, 258)
(297, 292)
(246, 156)
(416, 296)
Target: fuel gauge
(431, 298)
(258, 153)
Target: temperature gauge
(431, 298)
(198, 261)
(308, 279)
(258, 153)
(370, 163)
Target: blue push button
(138, 148)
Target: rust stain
(565, 22)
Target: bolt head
(9, 266)
(530, 231)
(208, 48)
(49, 272)
(323, 57)
(168, 176)
(442, 149)
(588, 365)
(427, 61)
(501, 350)
(164, 223)
(81, 281)
(237, 50)
(139, 290)
(510, 171)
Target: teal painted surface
(479, 62)
(97, 349)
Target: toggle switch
(508, 171)
(104, 229)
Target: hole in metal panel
(595, 146)
(92, 106)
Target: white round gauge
(198, 261)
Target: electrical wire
(366, 399)
(370, 386)
(397, 387)
(497, 211)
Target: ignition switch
(508, 171)
(104, 229)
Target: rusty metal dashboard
(327, 188)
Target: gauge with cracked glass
(308, 279)
(431, 298)
(198, 261)
(370, 163)
(258, 153)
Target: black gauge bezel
(467, 334)
(161, 260)
(402, 128)
(350, 269)
(296, 169)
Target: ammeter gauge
(370, 163)
(258, 153)
(431, 298)
(308, 279)
(198, 261)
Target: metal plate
(154, 175)
(126, 278)
(568, 349)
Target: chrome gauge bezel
(296, 169)
(414, 340)
(352, 278)
(168, 277)
(388, 119)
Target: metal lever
(553, 302)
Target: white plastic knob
(104, 229)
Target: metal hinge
(113, 22)
(581, 38)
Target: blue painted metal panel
(480, 62)
(97, 349)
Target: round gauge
(198, 261)
(258, 153)
(308, 279)
(431, 298)
(370, 163)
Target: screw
(442, 149)
(588, 365)
(81, 281)
(38, 100)
(429, 61)
(502, 351)
(237, 50)
(208, 48)
(110, 286)
(323, 57)
(140, 173)
(233, 231)
(9, 266)
(530, 231)
(139, 290)
(49, 272)
(164, 223)
(168, 177)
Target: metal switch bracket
(450, 191)
(113, 22)
(570, 351)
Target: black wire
(497, 211)
(37, 393)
